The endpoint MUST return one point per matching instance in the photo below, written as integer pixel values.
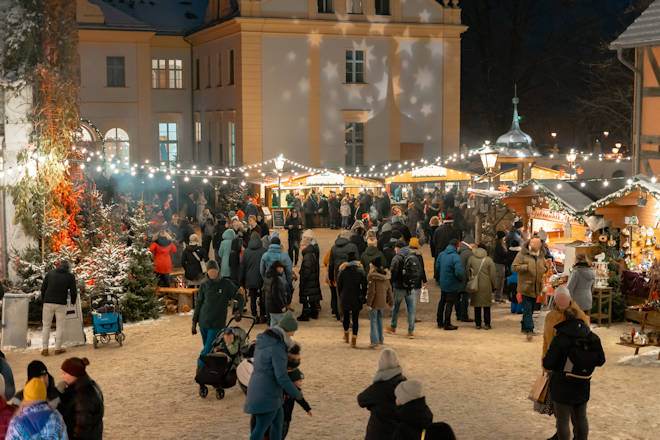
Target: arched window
(117, 147)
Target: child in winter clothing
(352, 288)
(414, 415)
(512, 288)
(35, 418)
(297, 377)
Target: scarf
(384, 375)
(285, 336)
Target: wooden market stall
(538, 173)
(429, 175)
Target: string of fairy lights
(95, 160)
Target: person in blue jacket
(270, 379)
(275, 253)
(451, 277)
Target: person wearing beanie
(192, 259)
(352, 290)
(298, 378)
(82, 401)
(215, 295)
(35, 419)
(501, 261)
(37, 369)
(408, 276)
(413, 414)
(372, 253)
(275, 253)
(379, 397)
(463, 301)
(269, 379)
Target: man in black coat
(82, 406)
(294, 227)
(444, 234)
(570, 383)
(334, 203)
(383, 205)
(309, 207)
(324, 208)
(57, 285)
(379, 397)
(250, 276)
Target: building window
(219, 70)
(198, 131)
(231, 67)
(167, 139)
(354, 144)
(325, 6)
(196, 73)
(208, 71)
(166, 74)
(382, 7)
(115, 72)
(175, 73)
(210, 152)
(117, 147)
(355, 67)
(232, 144)
(354, 6)
(221, 153)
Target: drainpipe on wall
(637, 113)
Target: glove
(194, 328)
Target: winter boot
(353, 341)
(346, 337)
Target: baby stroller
(107, 318)
(219, 368)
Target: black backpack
(411, 273)
(584, 355)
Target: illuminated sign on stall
(326, 179)
(430, 171)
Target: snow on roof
(172, 17)
(644, 31)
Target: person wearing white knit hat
(379, 398)
(414, 414)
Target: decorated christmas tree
(139, 301)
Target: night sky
(556, 51)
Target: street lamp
(488, 160)
(571, 158)
(279, 165)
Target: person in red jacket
(163, 249)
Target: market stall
(428, 177)
(538, 173)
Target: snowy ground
(476, 380)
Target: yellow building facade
(325, 83)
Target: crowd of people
(376, 263)
(44, 409)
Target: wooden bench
(184, 295)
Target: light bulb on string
(186, 179)
(606, 183)
(582, 185)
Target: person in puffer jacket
(35, 419)
(352, 289)
(163, 249)
(275, 293)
